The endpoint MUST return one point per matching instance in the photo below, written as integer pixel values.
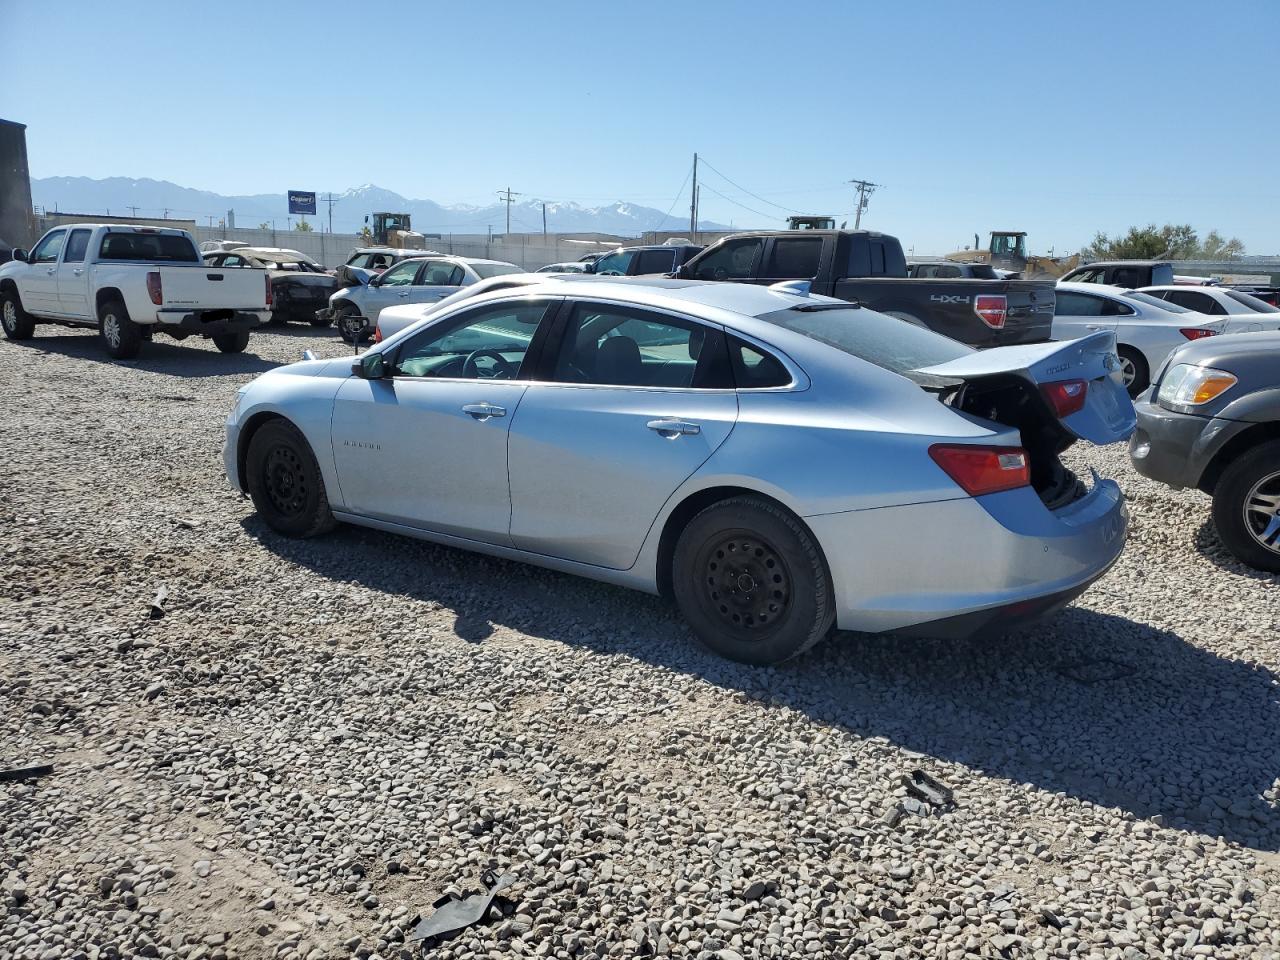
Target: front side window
(615, 264)
(484, 344)
(794, 258)
(47, 250)
(732, 260)
(401, 275)
(77, 244)
(233, 260)
(622, 346)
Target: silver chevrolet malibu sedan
(779, 463)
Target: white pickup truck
(129, 282)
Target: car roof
(1124, 263)
(1073, 286)
(1193, 287)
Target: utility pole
(544, 219)
(693, 199)
(330, 200)
(865, 189)
(133, 211)
(166, 214)
(508, 201)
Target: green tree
(1175, 241)
(302, 226)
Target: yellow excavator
(1008, 251)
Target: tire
(1134, 364)
(285, 483)
(723, 601)
(233, 342)
(17, 323)
(320, 321)
(278, 318)
(352, 327)
(1246, 507)
(120, 335)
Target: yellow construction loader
(1008, 251)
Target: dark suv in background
(643, 261)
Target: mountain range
(156, 198)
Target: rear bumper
(962, 567)
(1176, 448)
(209, 322)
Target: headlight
(1190, 386)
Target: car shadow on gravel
(174, 358)
(1087, 705)
(1210, 546)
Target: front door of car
(38, 281)
(1077, 315)
(73, 282)
(632, 403)
(389, 288)
(426, 445)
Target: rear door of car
(628, 404)
(651, 262)
(791, 258)
(73, 283)
(1080, 314)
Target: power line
(767, 216)
(746, 191)
(679, 194)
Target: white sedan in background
(394, 319)
(1241, 312)
(1147, 329)
(426, 279)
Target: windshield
(160, 247)
(1165, 305)
(886, 341)
(487, 270)
(1253, 303)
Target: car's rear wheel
(231, 342)
(752, 582)
(1134, 372)
(350, 324)
(1246, 507)
(120, 335)
(17, 323)
(285, 483)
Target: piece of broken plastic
(454, 914)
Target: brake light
(1197, 333)
(979, 470)
(993, 308)
(1065, 396)
(267, 277)
(154, 290)
(377, 334)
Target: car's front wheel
(752, 581)
(17, 323)
(1246, 507)
(285, 483)
(351, 325)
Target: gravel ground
(316, 740)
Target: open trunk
(1052, 393)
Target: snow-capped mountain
(151, 198)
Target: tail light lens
(270, 297)
(1065, 397)
(993, 308)
(1197, 333)
(979, 470)
(154, 290)
(377, 334)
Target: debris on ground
(157, 602)
(454, 913)
(927, 789)
(27, 773)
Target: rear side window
(1068, 304)
(732, 260)
(654, 261)
(753, 368)
(76, 247)
(794, 259)
(1194, 300)
(1253, 303)
(148, 246)
(877, 258)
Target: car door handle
(674, 428)
(77, 271)
(405, 294)
(1093, 326)
(51, 271)
(483, 411)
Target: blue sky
(1056, 119)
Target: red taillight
(1065, 396)
(154, 290)
(993, 308)
(377, 334)
(1197, 333)
(980, 470)
(267, 277)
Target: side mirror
(20, 254)
(586, 267)
(683, 272)
(375, 280)
(370, 366)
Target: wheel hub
(10, 315)
(1127, 371)
(1262, 512)
(111, 329)
(746, 583)
(286, 483)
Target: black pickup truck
(869, 268)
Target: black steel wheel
(752, 581)
(351, 325)
(285, 482)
